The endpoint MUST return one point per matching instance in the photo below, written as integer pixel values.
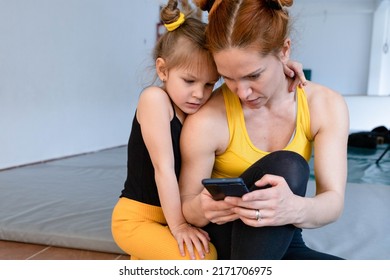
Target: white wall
(368, 112)
(333, 38)
(71, 70)
(379, 75)
(70, 74)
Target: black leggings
(238, 241)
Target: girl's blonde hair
(184, 47)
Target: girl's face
(256, 79)
(190, 88)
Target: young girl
(147, 221)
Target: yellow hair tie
(172, 26)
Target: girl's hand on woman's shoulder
(294, 70)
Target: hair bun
(204, 5)
(279, 4)
(170, 12)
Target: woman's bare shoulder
(208, 126)
(326, 106)
(320, 96)
(216, 102)
(210, 114)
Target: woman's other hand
(276, 205)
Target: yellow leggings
(141, 231)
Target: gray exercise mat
(68, 203)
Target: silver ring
(258, 216)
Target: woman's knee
(287, 164)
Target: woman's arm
(330, 127)
(204, 134)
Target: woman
(264, 133)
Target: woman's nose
(243, 90)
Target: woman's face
(253, 77)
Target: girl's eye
(188, 81)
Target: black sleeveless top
(140, 184)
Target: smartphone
(219, 188)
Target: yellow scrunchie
(172, 26)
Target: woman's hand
(273, 206)
(294, 70)
(218, 212)
(190, 237)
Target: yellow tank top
(241, 153)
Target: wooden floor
(22, 251)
